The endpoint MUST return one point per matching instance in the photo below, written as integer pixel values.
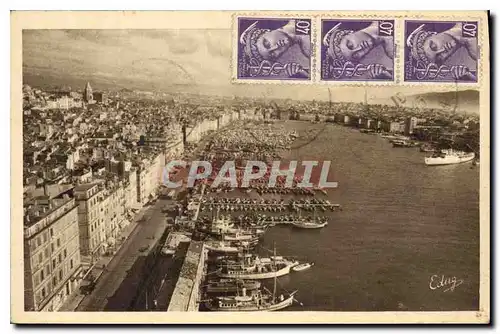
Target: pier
(186, 293)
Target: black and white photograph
(152, 181)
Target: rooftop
(43, 207)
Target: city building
(130, 190)
(87, 94)
(91, 219)
(112, 205)
(410, 125)
(63, 102)
(149, 177)
(52, 265)
(100, 97)
(395, 127)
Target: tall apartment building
(130, 191)
(91, 218)
(52, 265)
(113, 205)
(149, 177)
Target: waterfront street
(109, 293)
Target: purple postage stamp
(357, 50)
(441, 51)
(274, 49)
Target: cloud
(217, 43)
(159, 57)
(181, 42)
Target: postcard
(197, 167)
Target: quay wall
(186, 292)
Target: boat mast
(275, 271)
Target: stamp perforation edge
(399, 19)
(234, 54)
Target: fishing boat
(240, 236)
(401, 143)
(259, 300)
(227, 247)
(231, 285)
(449, 157)
(303, 266)
(240, 257)
(221, 247)
(261, 268)
(309, 224)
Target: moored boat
(228, 247)
(240, 236)
(260, 302)
(261, 268)
(303, 266)
(231, 285)
(401, 143)
(310, 224)
(449, 157)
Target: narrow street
(109, 289)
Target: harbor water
(406, 233)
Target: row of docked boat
(313, 204)
(242, 201)
(295, 220)
(245, 207)
(284, 191)
(251, 228)
(237, 285)
(236, 271)
(265, 189)
(237, 204)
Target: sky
(195, 61)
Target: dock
(186, 293)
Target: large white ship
(449, 157)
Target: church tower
(87, 94)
